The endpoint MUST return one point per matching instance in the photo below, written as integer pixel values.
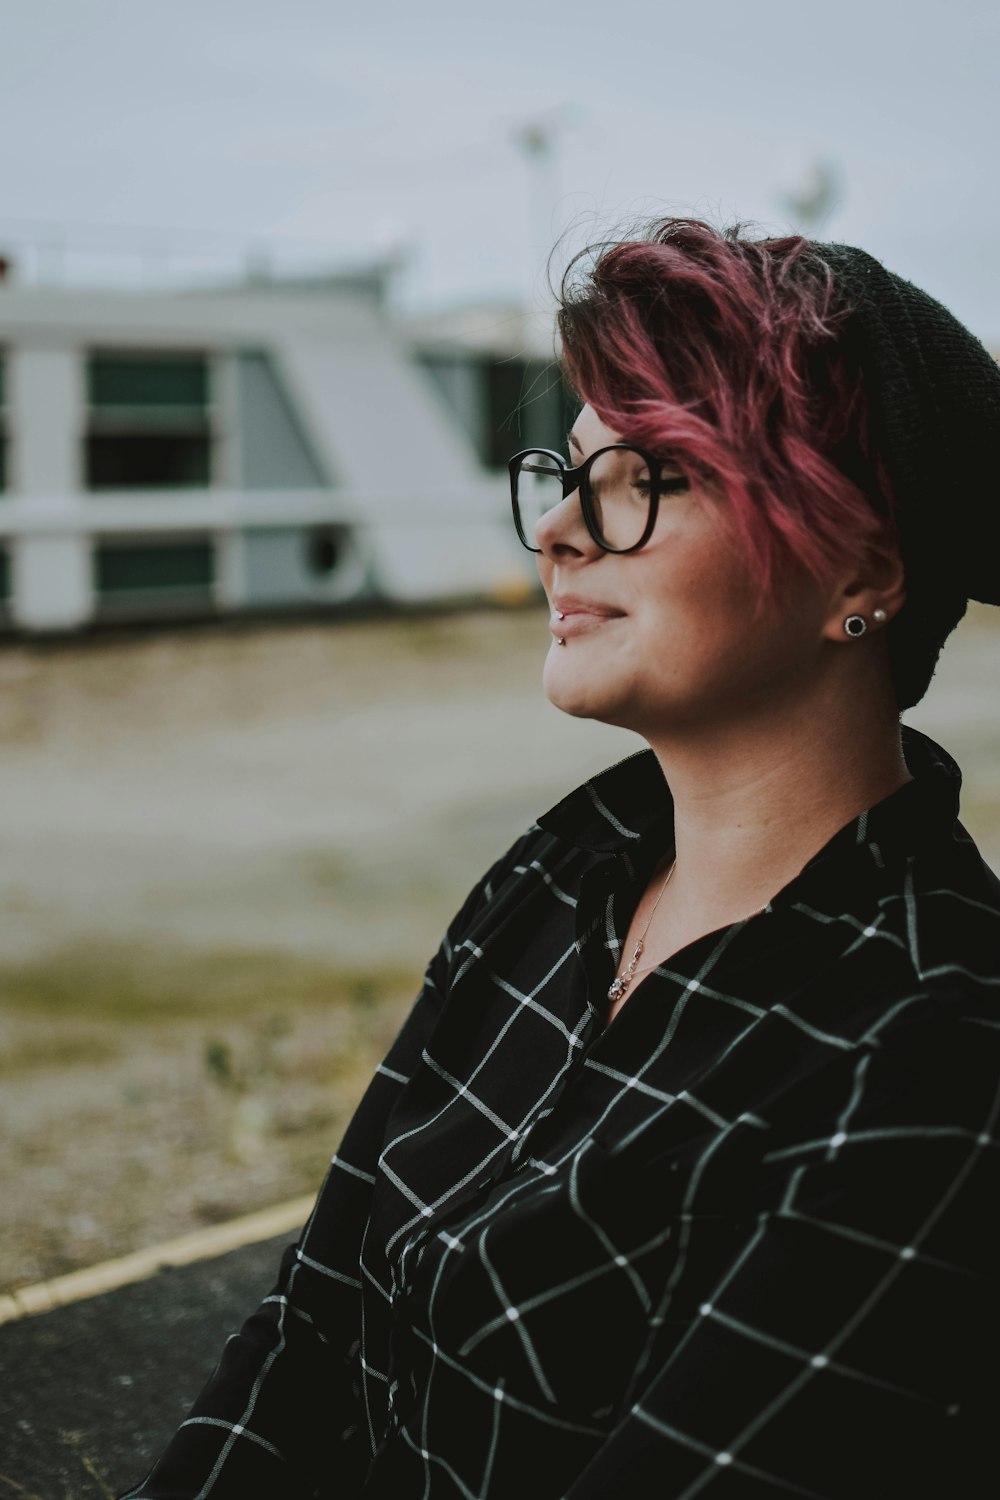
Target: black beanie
(934, 399)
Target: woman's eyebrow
(573, 442)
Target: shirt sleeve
(846, 1347)
(281, 1413)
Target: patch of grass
(433, 636)
(129, 983)
(56, 1050)
(326, 870)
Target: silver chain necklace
(622, 981)
(620, 984)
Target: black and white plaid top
(741, 1242)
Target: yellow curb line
(200, 1245)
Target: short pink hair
(722, 352)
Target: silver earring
(855, 625)
(879, 616)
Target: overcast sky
(332, 129)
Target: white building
(272, 446)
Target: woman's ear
(874, 589)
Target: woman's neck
(754, 804)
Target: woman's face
(673, 635)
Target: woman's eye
(670, 484)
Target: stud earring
(855, 625)
(879, 616)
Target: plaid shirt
(743, 1241)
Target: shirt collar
(617, 809)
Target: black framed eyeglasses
(620, 491)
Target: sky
(138, 139)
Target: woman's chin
(575, 692)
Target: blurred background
(274, 311)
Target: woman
(681, 1176)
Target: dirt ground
(228, 853)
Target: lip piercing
(560, 615)
(560, 640)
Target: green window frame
(149, 420)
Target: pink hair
(723, 353)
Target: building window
(154, 575)
(526, 403)
(502, 403)
(149, 421)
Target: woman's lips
(576, 619)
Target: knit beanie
(934, 401)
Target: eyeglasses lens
(539, 488)
(618, 487)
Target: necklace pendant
(618, 987)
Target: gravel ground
(228, 853)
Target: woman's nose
(562, 531)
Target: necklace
(621, 982)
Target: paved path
(90, 1393)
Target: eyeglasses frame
(576, 479)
